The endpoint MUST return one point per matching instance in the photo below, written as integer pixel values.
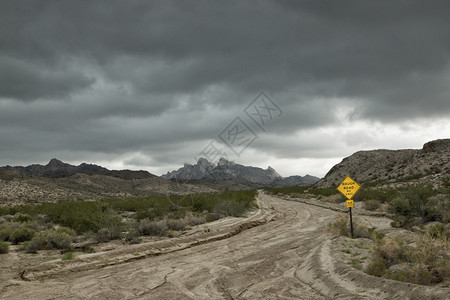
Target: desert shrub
(230, 208)
(148, 227)
(66, 230)
(104, 235)
(21, 235)
(67, 256)
(372, 205)
(5, 233)
(418, 201)
(392, 251)
(340, 226)
(425, 263)
(211, 217)
(49, 239)
(4, 247)
(287, 190)
(132, 237)
(176, 224)
(439, 231)
(193, 220)
(381, 195)
(361, 231)
(22, 218)
(419, 273)
(377, 267)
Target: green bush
(5, 233)
(418, 201)
(380, 195)
(377, 267)
(49, 239)
(4, 247)
(67, 256)
(21, 235)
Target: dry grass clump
(424, 262)
(341, 227)
(163, 226)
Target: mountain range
(57, 168)
(205, 170)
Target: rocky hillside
(57, 168)
(226, 170)
(429, 164)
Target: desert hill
(430, 164)
(62, 181)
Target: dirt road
(289, 258)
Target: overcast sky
(152, 84)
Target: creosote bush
(50, 239)
(4, 247)
(418, 202)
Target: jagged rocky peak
(204, 162)
(55, 162)
(272, 170)
(224, 162)
(204, 165)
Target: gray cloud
(164, 77)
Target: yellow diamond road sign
(348, 187)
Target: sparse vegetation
(299, 190)
(54, 225)
(424, 262)
(341, 227)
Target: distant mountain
(57, 168)
(431, 164)
(225, 170)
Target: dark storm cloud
(118, 76)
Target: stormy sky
(296, 85)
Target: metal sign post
(348, 188)
(351, 220)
